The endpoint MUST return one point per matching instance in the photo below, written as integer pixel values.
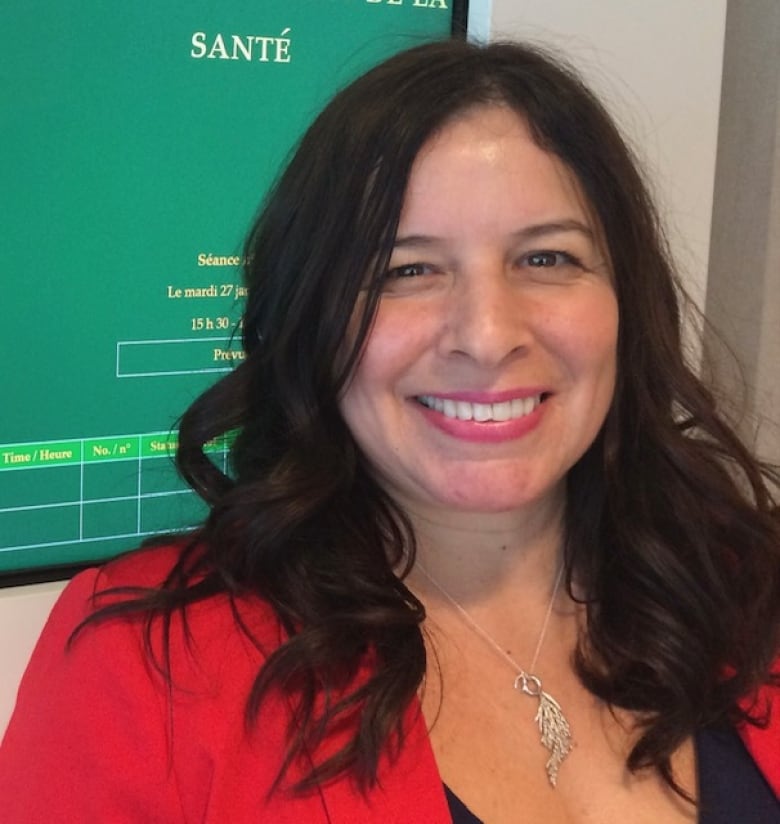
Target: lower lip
(486, 432)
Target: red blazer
(764, 743)
(96, 738)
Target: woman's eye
(408, 270)
(548, 259)
(412, 278)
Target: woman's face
(491, 363)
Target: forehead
(484, 164)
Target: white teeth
(482, 412)
(464, 411)
(502, 411)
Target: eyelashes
(410, 270)
(540, 259)
(551, 258)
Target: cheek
(397, 342)
(364, 402)
(587, 337)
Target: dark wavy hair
(672, 532)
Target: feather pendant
(552, 723)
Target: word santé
(248, 47)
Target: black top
(731, 787)
(460, 813)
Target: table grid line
(88, 452)
(93, 540)
(112, 499)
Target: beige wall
(743, 299)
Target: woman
(477, 500)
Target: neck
(478, 558)
(503, 585)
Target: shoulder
(191, 643)
(144, 570)
(147, 566)
(84, 704)
(102, 657)
(97, 716)
(96, 720)
(81, 597)
(763, 742)
(84, 640)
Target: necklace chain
(552, 723)
(488, 638)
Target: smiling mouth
(482, 412)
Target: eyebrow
(540, 229)
(526, 233)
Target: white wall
(658, 66)
(743, 295)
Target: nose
(489, 320)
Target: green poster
(138, 140)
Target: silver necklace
(553, 726)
